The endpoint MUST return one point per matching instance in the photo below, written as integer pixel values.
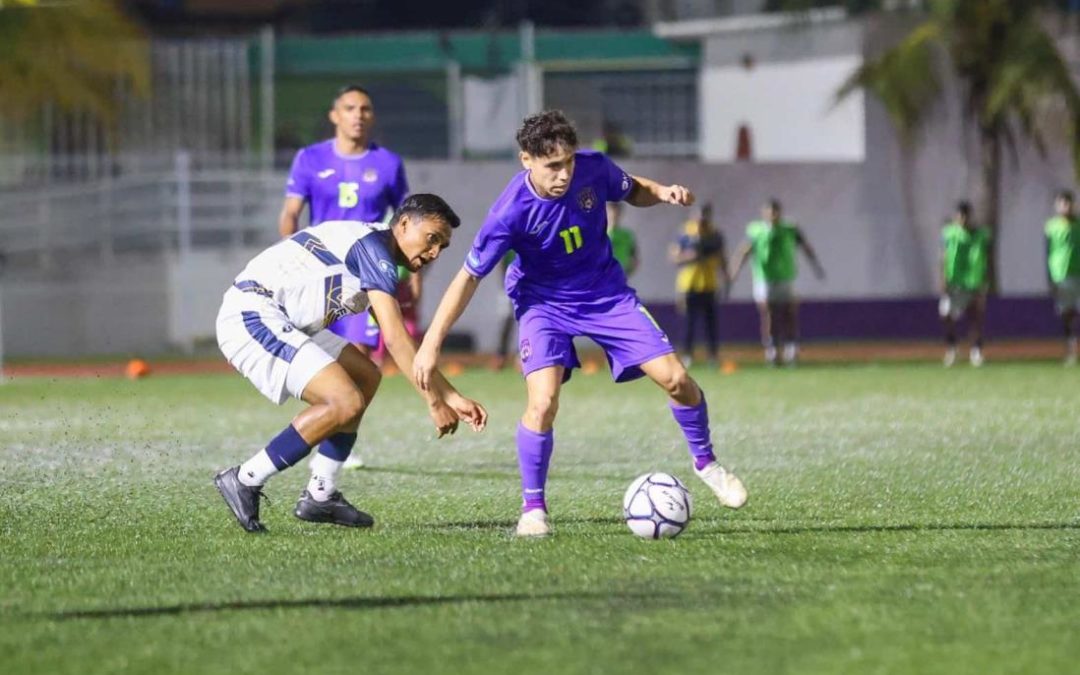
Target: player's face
(421, 240)
(353, 116)
(1063, 207)
(551, 174)
(770, 214)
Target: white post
(532, 83)
(183, 202)
(455, 110)
(183, 237)
(266, 89)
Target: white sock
(323, 477)
(257, 470)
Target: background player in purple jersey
(566, 283)
(347, 177)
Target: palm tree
(72, 55)
(1009, 70)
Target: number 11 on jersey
(571, 238)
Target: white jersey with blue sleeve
(323, 272)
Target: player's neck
(535, 190)
(351, 147)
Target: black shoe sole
(328, 519)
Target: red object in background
(744, 146)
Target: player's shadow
(717, 528)
(510, 524)
(353, 603)
(483, 473)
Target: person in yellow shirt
(700, 256)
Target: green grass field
(902, 519)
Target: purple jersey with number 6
(566, 281)
(347, 187)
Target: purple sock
(287, 448)
(694, 420)
(534, 455)
(338, 447)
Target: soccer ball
(657, 506)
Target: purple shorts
(359, 329)
(622, 327)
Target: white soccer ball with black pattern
(657, 506)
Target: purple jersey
(347, 187)
(563, 250)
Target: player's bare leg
(535, 443)
(790, 334)
(357, 361)
(1068, 318)
(336, 403)
(976, 322)
(690, 411)
(766, 318)
(949, 323)
(345, 389)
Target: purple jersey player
(346, 178)
(566, 283)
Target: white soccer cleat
(533, 523)
(791, 354)
(976, 357)
(1070, 352)
(770, 356)
(727, 487)
(950, 357)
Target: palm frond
(904, 78)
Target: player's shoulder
(316, 150)
(755, 227)
(386, 154)
(513, 199)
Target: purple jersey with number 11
(563, 250)
(566, 281)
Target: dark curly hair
(541, 134)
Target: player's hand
(677, 194)
(469, 410)
(444, 417)
(424, 365)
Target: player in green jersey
(771, 244)
(623, 240)
(1063, 266)
(965, 262)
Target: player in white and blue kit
(272, 327)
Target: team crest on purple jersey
(526, 350)
(586, 199)
(370, 176)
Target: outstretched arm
(808, 250)
(453, 303)
(646, 192)
(289, 219)
(445, 404)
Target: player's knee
(347, 407)
(541, 411)
(678, 384)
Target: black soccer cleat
(242, 499)
(334, 510)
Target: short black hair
(349, 88)
(774, 204)
(1065, 195)
(963, 207)
(427, 205)
(541, 134)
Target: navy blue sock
(338, 447)
(287, 448)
